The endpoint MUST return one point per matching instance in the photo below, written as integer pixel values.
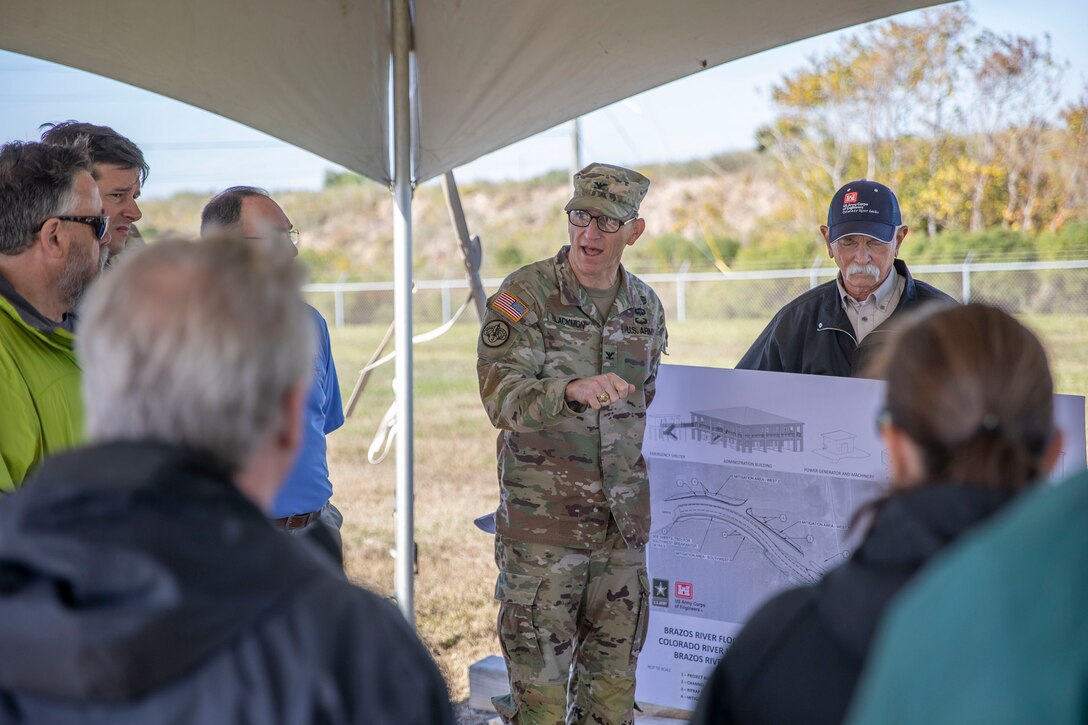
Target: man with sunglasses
(835, 328)
(53, 236)
(119, 169)
(303, 506)
(567, 362)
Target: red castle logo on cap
(850, 197)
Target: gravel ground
(470, 716)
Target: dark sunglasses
(100, 222)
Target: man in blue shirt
(303, 505)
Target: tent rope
(387, 428)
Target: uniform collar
(574, 294)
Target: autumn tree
(1016, 90)
(1071, 161)
(962, 122)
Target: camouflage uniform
(574, 510)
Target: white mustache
(864, 270)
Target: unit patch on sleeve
(509, 305)
(495, 333)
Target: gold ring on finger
(604, 398)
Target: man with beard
(836, 327)
(53, 236)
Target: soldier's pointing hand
(599, 391)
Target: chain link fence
(1018, 287)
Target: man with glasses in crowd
(119, 169)
(567, 363)
(302, 506)
(53, 236)
(835, 328)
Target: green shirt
(41, 410)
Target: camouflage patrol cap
(611, 190)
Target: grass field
(455, 470)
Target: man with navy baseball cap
(834, 328)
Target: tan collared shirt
(868, 315)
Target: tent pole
(470, 245)
(402, 308)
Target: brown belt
(296, 521)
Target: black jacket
(813, 335)
(137, 585)
(798, 658)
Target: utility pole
(575, 146)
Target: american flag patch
(509, 305)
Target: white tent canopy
(488, 72)
(484, 74)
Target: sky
(714, 111)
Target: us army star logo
(660, 595)
(495, 333)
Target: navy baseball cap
(863, 207)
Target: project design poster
(755, 479)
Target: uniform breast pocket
(635, 352)
(569, 350)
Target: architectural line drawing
(840, 444)
(699, 504)
(742, 428)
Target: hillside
(739, 209)
(347, 228)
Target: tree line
(966, 124)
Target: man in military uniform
(567, 359)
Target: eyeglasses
(290, 235)
(581, 218)
(100, 223)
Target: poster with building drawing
(755, 479)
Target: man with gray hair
(303, 506)
(837, 327)
(52, 245)
(141, 581)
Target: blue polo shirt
(308, 488)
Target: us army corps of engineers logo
(495, 333)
